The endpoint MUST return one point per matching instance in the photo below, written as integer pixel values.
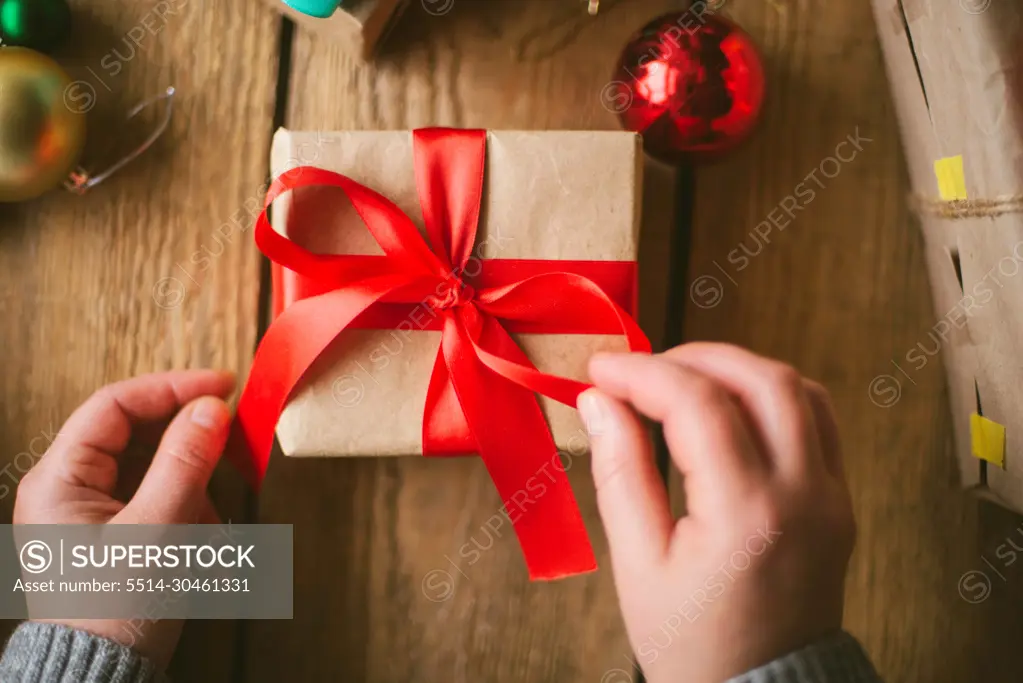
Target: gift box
(564, 196)
(428, 286)
(953, 69)
(358, 25)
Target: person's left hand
(101, 456)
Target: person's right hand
(755, 570)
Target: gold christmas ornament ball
(41, 138)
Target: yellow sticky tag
(988, 440)
(951, 178)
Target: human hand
(102, 455)
(755, 570)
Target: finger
(84, 451)
(104, 422)
(771, 393)
(827, 427)
(174, 489)
(703, 428)
(631, 497)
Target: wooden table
(141, 276)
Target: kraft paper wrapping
(956, 80)
(549, 195)
(359, 26)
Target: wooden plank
(398, 576)
(842, 293)
(113, 284)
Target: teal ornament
(321, 9)
(40, 25)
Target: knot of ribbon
(482, 393)
(455, 293)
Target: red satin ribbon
(481, 396)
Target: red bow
(481, 394)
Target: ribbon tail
(582, 303)
(516, 446)
(295, 339)
(561, 389)
(445, 432)
(496, 349)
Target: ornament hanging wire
(80, 181)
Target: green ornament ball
(41, 25)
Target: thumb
(174, 489)
(631, 497)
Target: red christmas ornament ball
(692, 85)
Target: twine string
(959, 209)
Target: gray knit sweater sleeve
(50, 653)
(47, 653)
(837, 659)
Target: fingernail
(208, 412)
(593, 408)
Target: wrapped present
(357, 25)
(954, 71)
(425, 315)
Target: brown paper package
(954, 69)
(547, 195)
(358, 27)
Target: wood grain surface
(113, 284)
